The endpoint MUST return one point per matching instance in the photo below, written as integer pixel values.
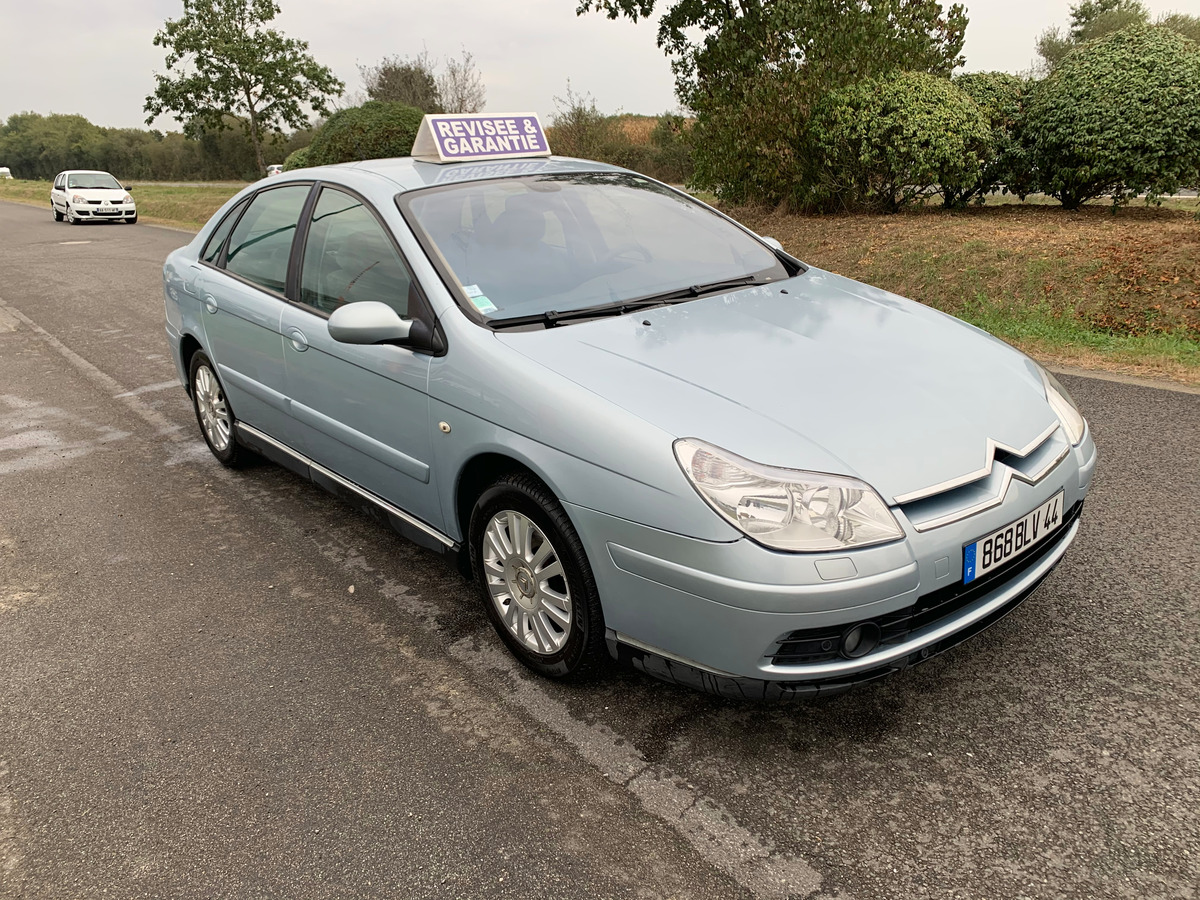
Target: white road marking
(150, 388)
(701, 821)
(161, 424)
(71, 243)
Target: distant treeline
(34, 146)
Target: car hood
(111, 194)
(817, 372)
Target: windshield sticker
(472, 290)
(484, 305)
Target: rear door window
(261, 242)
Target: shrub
(1001, 98)
(376, 130)
(297, 159)
(1118, 116)
(889, 141)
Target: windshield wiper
(553, 317)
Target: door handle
(210, 303)
(299, 341)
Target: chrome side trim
(872, 660)
(992, 447)
(349, 485)
(1009, 475)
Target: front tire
(213, 413)
(534, 576)
(132, 220)
(71, 217)
(58, 217)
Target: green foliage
(1001, 98)
(226, 65)
(297, 159)
(893, 140)
(1119, 116)
(753, 73)
(376, 130)
(1094, 19)
(662, 150)
(37, 146)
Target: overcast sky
(96, 57)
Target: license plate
(1012, 540)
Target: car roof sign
(476, 136)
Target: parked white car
(5, 172)
(81, 195)
(274, 169)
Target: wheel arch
(188, 347)
(478, 474)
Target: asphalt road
(218, 684)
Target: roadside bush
(660, 147)
(886, 142)
(376, 130)
(297, 159)
(1001, 98)
(1118, 116)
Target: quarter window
(262, 240)
(349, 258)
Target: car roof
(409, 174)
(83, 172)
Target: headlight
(786, 509)
(1064, 407)
(77, 198)
(128, 199)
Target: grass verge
(181, 206)
(1086, 288)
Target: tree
(227, 65)
(899, 138)
(378, 129)
(412, 82)
(1093, 19)
(754, 71)
(1118, 116)
(461, 87)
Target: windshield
(525, 246)
(93, 180)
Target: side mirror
(368, 322)
(129, 187)
(771, 242)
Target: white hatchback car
(80, 195)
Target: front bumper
(115, 211)
(736, 618)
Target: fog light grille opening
(859, 640)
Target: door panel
(363, 410)
(242, 320)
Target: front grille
(814, 645)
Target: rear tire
(214, 414)
(536, 584)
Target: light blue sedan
(651, 433)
